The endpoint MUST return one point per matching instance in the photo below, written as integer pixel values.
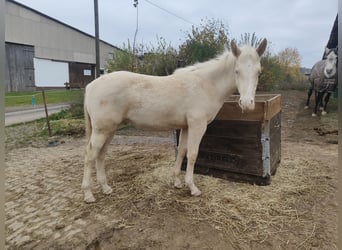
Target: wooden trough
(242, 146)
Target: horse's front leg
(196, 131)
(182, 147)
(326, 100)
(321, 106)
(317, 103)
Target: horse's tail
(88, 127)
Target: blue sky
(301, 24)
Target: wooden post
(46, 113)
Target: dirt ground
(298, 210)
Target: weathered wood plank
(266, 106)
(234, 129)
(234, 144)
(273, 107)
(20, 67)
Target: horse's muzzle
(246, 104)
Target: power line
(169, 12)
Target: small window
(87, 72)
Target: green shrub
(65, 127)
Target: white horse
(323, 80)
(188, 100)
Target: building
(44, 52)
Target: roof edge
(60, 22)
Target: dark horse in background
(323, 80)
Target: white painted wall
(49, 73)
(52, 39)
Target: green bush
(74, 112)
(204, 42)
(66, 122)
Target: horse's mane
(203, 65)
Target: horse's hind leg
(89, 163)
(100, 168)
(183, 139)
(196, 131)
(95, 145)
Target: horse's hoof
(107, 190)
(306, 107)
(313, 115)
(89, 199)
(178, 185)
(196, 193)
(324, 112)
(88, 196)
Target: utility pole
(134, 54)
(97, 40)
(135, 4)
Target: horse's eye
(236, 72)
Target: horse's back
(146, 101)
(149, 101)
(317, 72)
(114, 81)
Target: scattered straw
(280, 214)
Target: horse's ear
(236, 51)
(262, 47)
(326, 51)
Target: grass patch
(74, 112)
(14, 99)
(64, 124)
(65, 127)
(69, 122)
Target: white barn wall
(54, 41)
(51, 38)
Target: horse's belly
(156, 120)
